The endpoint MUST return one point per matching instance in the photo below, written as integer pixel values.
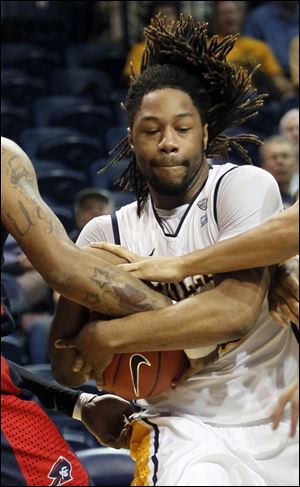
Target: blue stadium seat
(60, 185)
(46, 105)
(77, 151)
(108, 467)
(15, 293)
(113, 136)
(123, 198)
(106, 179)
(116, 98)
(32, 138)
(13, 121)
(44, 165)
(20, 88)
(105, 56)
(35, 60)
(12, 349)
(86, 118)
(80, 82)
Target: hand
(290, 394)
(283, 294)
(158, 269)
(106, 417)
(92, 358)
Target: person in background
(89, 203)
(166, 9)
(289, 128)
(228, 18)
(278, 156)
(294, 61)
(275, 23)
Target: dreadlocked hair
(181, 56)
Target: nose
(168, 142)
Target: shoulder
(253, 177)
(96, 230)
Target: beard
(174, 188)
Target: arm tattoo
(91, 299)
(19, 173)
(28, 219)
(39, 215)
(131, 298)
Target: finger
(277, 414)
(86, 371)
(285, 297)
(78, 364)
(123, 441)
(65, 343)
(287, 313)
(278, 318)
(291, 282)
(294, 418)
(115, 249)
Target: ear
(205, 136)
(129, 136)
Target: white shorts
(184, 451)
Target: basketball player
(31, 444)
(214, 429)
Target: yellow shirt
(246, 50)
(249, 51)
(135, 56)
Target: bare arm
(74, 273)
(272, 242)
(223, 314)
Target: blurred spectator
(89, 203)
(275, 23)
(294, 61)
(289, 128)
(167, 9)
(278, 156)
(16, 263)
(248, 52)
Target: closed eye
(183, 129)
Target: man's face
(169, 141)
(229, 18)
(279, 159)
(290, 129)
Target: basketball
(143, 375)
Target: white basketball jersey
(242, 386)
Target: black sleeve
(51, 395)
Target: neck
(170, 202)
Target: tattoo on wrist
(131, 298)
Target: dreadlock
(182, 56)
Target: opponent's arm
(103, 416)
(72, 272)
(272, 242)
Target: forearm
(92, 281)
(275, 241)
(68, 320)
(211, 318)
(51, 395)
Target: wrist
(82, 399)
